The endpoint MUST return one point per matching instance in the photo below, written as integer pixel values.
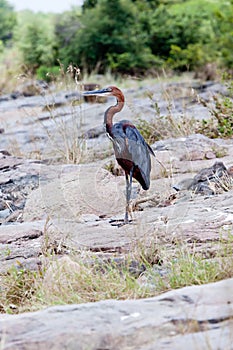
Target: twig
(135, 202)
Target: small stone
(210, 155)
(193, 155)
(230, 171)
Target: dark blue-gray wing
(132, 150)
(140, 153)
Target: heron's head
(108, 91)
(102, 92)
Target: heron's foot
(126, 220)
(120, 222)
(129, 211)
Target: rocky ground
(70, 207)
(200, 317)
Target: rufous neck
(110, 112)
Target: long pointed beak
(102, 92)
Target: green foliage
(48, 73)
(224, 34)
(88, 4)
(34, 48)
(190, 58)
(125, 36)
(7, 21)
(66, 28)
(37, 46)
(132, 35)
(181, 32)
(221, 122)
(109, 37)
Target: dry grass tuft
(165, 126)
(153, 265)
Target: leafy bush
(224, 35)
(129, 36)
(221, 123)
(48, 73)
(37, 47)
(110, 36)
(190, 58)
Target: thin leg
(129, 180)
(127, 197)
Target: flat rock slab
(82, 199)
(192, 147)
(20, 245)
(77, 190)
(79, 201)
(197, 219)
(200, 317)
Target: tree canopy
(124, 36)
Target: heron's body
(131, 150)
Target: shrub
(109, 36)
(221, 123)
(48, 73)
